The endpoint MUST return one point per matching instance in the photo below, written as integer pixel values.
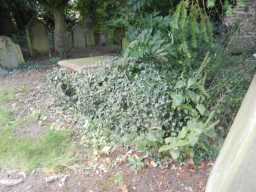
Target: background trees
(19, 11)
(161, 85)
(98, 15)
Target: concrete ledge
(235, 168)
(86, 64)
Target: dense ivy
(154, 96)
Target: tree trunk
(6, 23)
(59, 31)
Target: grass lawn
(53, 150)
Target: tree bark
(59, 31)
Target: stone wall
(244, 37)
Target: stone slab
(79, 36)
(87, 63)
(10, 53)
(235, 168)
(39, 38)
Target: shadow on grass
(51, 151)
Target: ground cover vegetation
(50, 151)
(169, 92)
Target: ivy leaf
(201, 108)
(175, 154)
(165, 148)
(180, 84)
(191, 82)
(178, 99)
(210, 3)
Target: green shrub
(154, 96)
(118, 104)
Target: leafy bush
(180, 41)
(117, 103)
(154, 96)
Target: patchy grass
(51, 151)
(22, 122)
(7, 119)
(112, 182)
(7, 95)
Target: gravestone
(10, 53)
(235, 168)
(69, 40)
(90, 39)
(79, 40)
(37, 37)
(89, 26)
(102, 39)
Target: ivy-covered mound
(154, 96)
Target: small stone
(153, 164)
(29, 187)
(124, 188)
(11, 182)
(52, 179)
(63, 180)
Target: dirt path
(106, 173)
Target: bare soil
(106, 173)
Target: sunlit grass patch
(51, 151)
(7, 120)
(7, 95)
(22, 122)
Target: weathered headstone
(89, 26)
(37, 37)
(79, 36)
(10, 53)
(88, 64)
(235, 168)
(90, 39)
(69, 40)
(102, 39)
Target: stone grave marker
(235, 168)
(69, 40)
(10, 53)
(79, 40)
(37, 37)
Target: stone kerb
(88, 64)
(234, 170)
